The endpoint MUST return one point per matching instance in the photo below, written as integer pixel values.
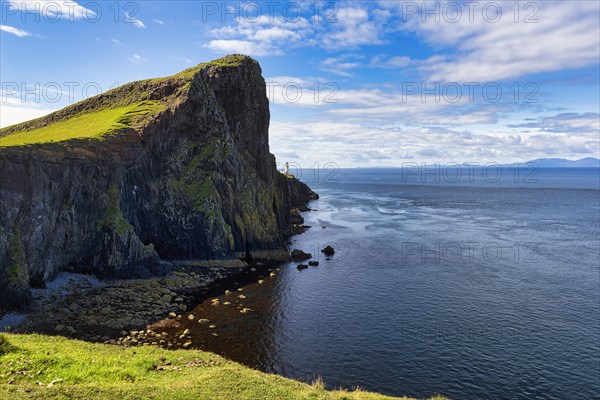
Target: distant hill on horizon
(588, 162)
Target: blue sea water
(474, 289)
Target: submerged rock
(328, 251)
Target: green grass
(233, 60)
(127, 106)
(85, 126)
(43, 367)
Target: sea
(475, 284)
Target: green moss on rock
(17, 272)
(113, 217)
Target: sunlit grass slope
(95, 124)
(42, 367)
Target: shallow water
(472, 290)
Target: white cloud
(261, 37)
(176, 58)
(351, 143)
(276, 33)
(117, 42)
(132, 20)
(15, 31)
(565, 37)
(282, 80)
(137, 59)
(340, 65)
(356, 28)
(295, 92)
(52, 9)
(344, 64)
(565, 122)
(381, 106)
(15, 111)
(243, 47)
(391, 63)
(158, 21)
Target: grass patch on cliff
(93, 125)
(232, 60)
(113, 217)
(18, 274)
(43, 367)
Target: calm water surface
(475, 290)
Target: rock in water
(185, 173)
(313, 263)
(302, 266)
(299, 255)
(328, 251)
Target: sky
(377, 83)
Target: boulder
(328, 251)
(297, 219)
(299, 255)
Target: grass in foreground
(44, 367)
(85, 126)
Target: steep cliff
(118, 185)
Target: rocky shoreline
(86, 309)
(122, 311)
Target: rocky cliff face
(194, 180)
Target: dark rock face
(196, 182)
(14, 280)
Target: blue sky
(373, 83)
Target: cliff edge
(121, 184)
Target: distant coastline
(588, 162)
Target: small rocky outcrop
(328, 251)
(299, 255)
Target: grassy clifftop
(127, 107)
(40, 367)
(86, 126)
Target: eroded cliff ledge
(118, 185)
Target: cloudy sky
(372, 83)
